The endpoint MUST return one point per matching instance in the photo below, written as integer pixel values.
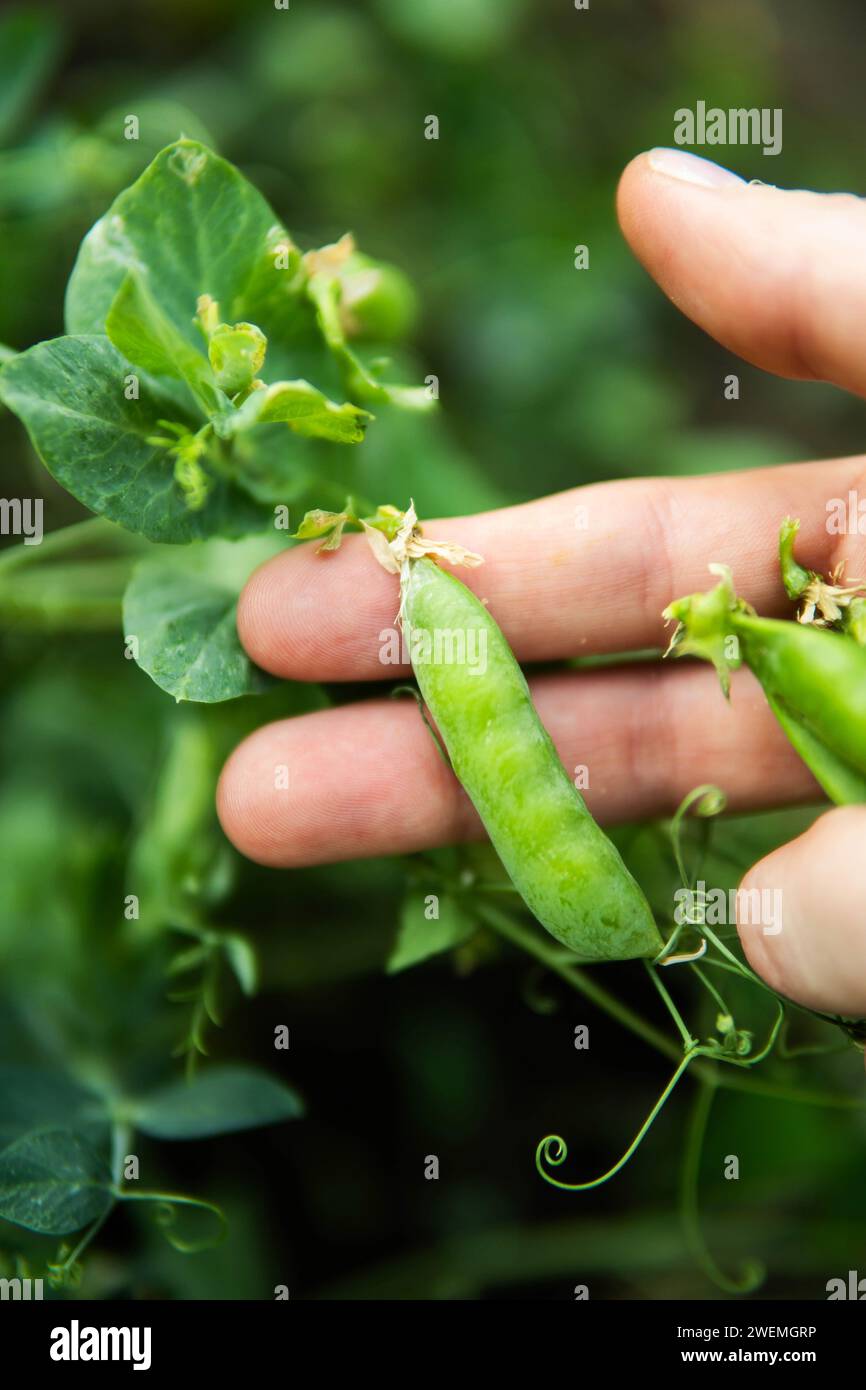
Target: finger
(366, 779)
(775, 275)
(560, 581)
(818, 884)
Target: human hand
(746, 263)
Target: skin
(777, 278)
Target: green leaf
(29, 45)
(181, 609)
(242, 959)
(305, 410)
(420, 938)
(321, 523)
(221, 1100)
(70, 394)
(148, 339)
(198, 227)
(31, 1098)
(54, 1182)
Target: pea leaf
(54, 1182)
(31, 1098)
(222, 1100)
(420, 937)
(198, 227)
(304, 409)
(148, 339)
(242, 959)
(70, 393)
(181, 610)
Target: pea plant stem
(731, 1078)
(711, 989)
(688, 1040)
(532, 944)
(753, 1272)
(60, 1273)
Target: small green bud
(207, 315)
(192, 479)
(377, 301)
(237, 353)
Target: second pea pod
(813, 671)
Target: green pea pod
(827, 603)
(814, 679)
(565, 868)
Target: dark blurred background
(548, 378)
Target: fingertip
(242, 808)
(799, 917)
(254, 619)
(629, 189)
(322, 787)
(312, 616)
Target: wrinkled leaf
(148, 339)
(198, 227)
(70, 393)
(181, 609)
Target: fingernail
(679, 164)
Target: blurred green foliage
(548, 378)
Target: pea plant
(559, 862)
(168, 407)
(213, 380)
(173, 410)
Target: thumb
(776, 275)
(811, 947)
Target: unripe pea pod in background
(377, 301)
